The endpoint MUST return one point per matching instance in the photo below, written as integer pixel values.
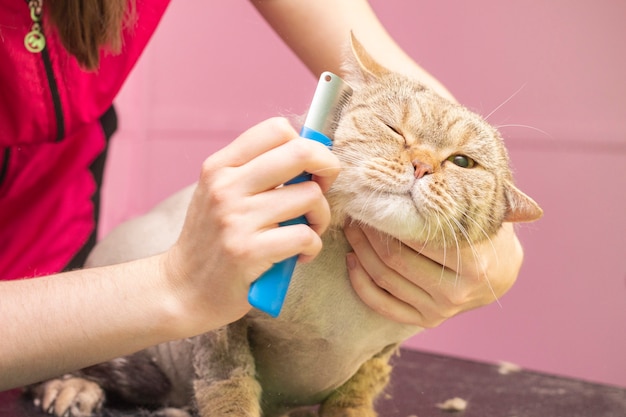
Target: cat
(414, 166)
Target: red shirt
(54, 122)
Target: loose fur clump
(414, 166)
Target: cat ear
(364, 61)
(520, 207)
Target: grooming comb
(331, 95)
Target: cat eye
(462, 161)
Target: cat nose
(421, 168)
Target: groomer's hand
(413, 284)
(231, 233)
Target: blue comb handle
(269, 291)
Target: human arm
(55, 324)
(318, 33)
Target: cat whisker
(443, 237)
(479, 266)
(440, 226)
(468, 239)
(426, 225)
(374, 194)
(458, 248)
(487, 237)
(318, 171)
(527, 127)
(346, 156)
(505, 101)
(449, 220)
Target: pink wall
(561, 64)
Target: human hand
(231, 233)
(413, 284)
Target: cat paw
(171, 412)
(69, 397)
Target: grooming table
(421, 381)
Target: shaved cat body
(322, 336)
(414, 166)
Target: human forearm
(318, 32)
(71, 320)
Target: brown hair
(87, 26)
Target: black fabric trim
(108, 122)
(54, 87)
(56, 98)
(54, 90)
(5, 164)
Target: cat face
(417, 166)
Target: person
(63, 63)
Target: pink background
(215, 68)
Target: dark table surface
(421, 380)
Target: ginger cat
(414, 166)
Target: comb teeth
(327, 104)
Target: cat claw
(171, 412)
(69, 397)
